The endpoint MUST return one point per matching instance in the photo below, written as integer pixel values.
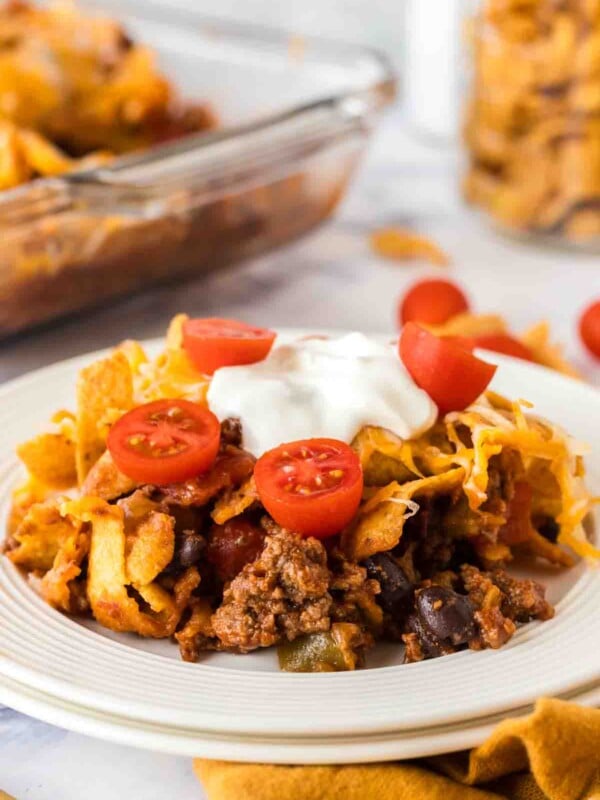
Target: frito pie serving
(318, 495)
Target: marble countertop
(329, 279)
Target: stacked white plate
(120, 687)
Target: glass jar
(532, 128)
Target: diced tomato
(518, 522)
(231, 468)
(432, 301)
(589, 328)
(233, 545)
(496, 342)
(212, 343)
(166, 441)
(312, 487)
(451, 375)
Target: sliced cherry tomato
(518, 521)
(504, 343)
(451, 375)
(497, 343)
(466, 342)
(589, 328)
(164, 442)
(212, 343)
(432, 301)
(313, 486)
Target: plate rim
(7, 667)
(390, 746)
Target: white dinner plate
(224, 695)
(400, 745)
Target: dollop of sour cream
(321, 387)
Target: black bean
(549, 529)
(447, 615)
(396, 588)
(189, 548)
(430, 644)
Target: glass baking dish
(295, 116)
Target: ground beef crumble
(502, 601)
(523, 600)
(197, 633)
(281, 595)
(354, 594)
(231, 432)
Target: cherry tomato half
(313, 486)
(166, 441)
(497, 343)
(212, 343)
(432, 301)
(589, 328)
(451, 375)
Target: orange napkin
(553, 754)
